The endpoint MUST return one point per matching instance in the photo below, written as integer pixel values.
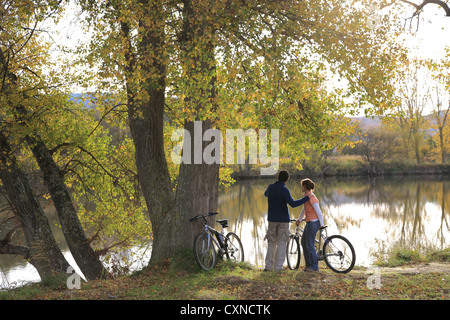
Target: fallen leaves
(244, 283)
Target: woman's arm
(318, 212)
(300, 218)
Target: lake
(374, 214)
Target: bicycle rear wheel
(234, 249)
(293, 252)
(204, 251)
(339, 254)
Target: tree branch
(419, 7)
(7, 248)
(16, 250)
(7, 238)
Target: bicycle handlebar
(321, 228)
(209, 214)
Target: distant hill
(374, 122)
(368, 123)
(82, 98)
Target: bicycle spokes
(293, 253)
(339, 254)
(233, 247)
(205, 253)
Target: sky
(427, 37)
(433, 33)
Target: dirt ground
(418, 268)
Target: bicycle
(205, 243)
(336, 250)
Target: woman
(314, 221)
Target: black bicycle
(206, 242)
(336, 250)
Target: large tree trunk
(42, 251)
(198, 182)
(197, 193)
(147, 69)
(82, 252)
(154, 178)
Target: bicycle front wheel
(339, 254)
(204, 251)
(234, 249)
(293, 252)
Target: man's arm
(294, 203)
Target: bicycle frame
(210, 232)
(322, 237)
(327, 248)
(229, 245)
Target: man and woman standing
(279, 197)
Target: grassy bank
(400, 256)
(180, 279)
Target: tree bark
(82, 252)
(197, 193)
(198, 182)
(146, 121)
(42, 251)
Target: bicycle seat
(203, 216)
(322, 228)
(223, 223)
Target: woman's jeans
(308, 240)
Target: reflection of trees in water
(402, 202)
(244, 203)
(444, 221)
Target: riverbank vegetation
(180, 279)
(378, 147)
(351, 166)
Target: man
(278, 216)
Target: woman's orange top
(310, 213)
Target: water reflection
(373, 214)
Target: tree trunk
(197, 193)
(79, 246)
(42, 251)
(198, 182)
(82, 252)
(146, 103)
(197, 188)
(441, 142)
(154, 178)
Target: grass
(399, 256)
(181, 279)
